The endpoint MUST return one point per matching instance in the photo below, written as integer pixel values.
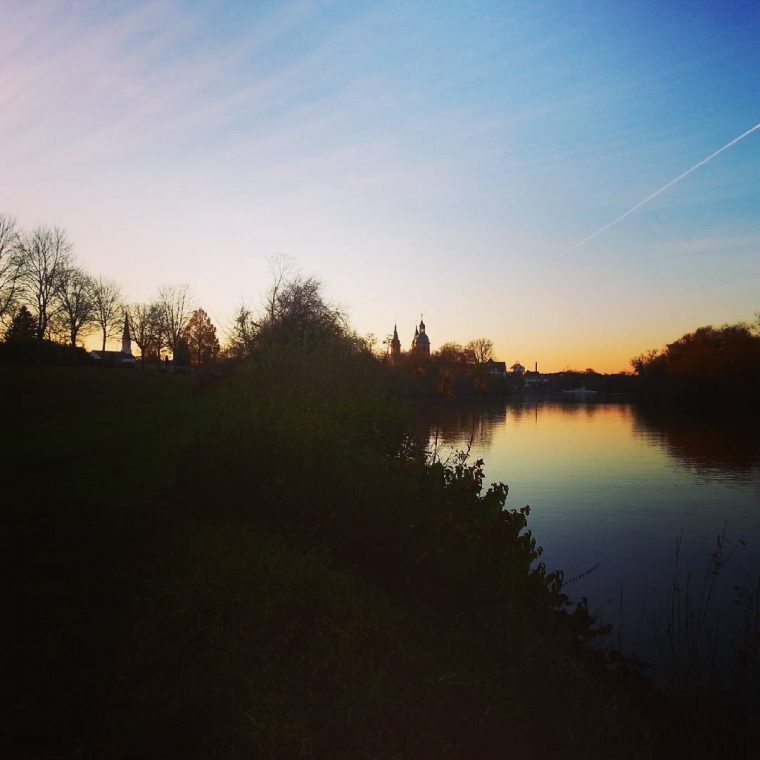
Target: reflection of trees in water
(454, 423)
(710, 445)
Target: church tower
(421, 342)
(126, 338)
(395, 345)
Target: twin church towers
(420, 343)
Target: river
(613, 489)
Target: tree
(282, 270)
(242, 337)
(200, 336)
(106, 296)
(643, 363)
(76, 311)
(481, 348)
(9, 264)
(182, 354)
(453, 353)
(23, 327)
(145, 319)
(709, 364)
(43, 255)
(175, 303)
(297, 312)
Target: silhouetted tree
(453, 353)
(175, 304)
(481, 348)
(23, 327)
(107, 307)
(43, 255)
(76, 311)
(710, 364)
(182, 354)
(298, 313)
(145, 320)
(282, 269)
(9, 264)
(200, 336)
(242, 336)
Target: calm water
(613, 486)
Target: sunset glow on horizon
(440, 159)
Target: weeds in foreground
(693, 627)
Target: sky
(436, 158)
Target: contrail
(661, 190)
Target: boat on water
(580, 392)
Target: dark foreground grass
(255, 568)
(85, 453)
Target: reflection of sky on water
(615, 485)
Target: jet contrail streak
(661, 190)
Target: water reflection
(614, 485)
(455, 424)
(710, 445)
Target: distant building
(496, 369)
(517, 369)
(421, 342)
(535, 382)
(123, 358)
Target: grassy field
(243, 568)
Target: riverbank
(266, 565)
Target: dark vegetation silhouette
(202, 342)
(40, 278)
(711, 366)
(23, 328)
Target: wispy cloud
(77, 88)
(714, 245)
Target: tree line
(46, 296)
(709, 365)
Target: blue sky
(418, 157)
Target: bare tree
(283, 270)
(76, 300)
(9, 264)
(175, 304)
(42, 254)
(481, 348)
(107, 301)
(145, 319)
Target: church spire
(126, 338)
(395, 345)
